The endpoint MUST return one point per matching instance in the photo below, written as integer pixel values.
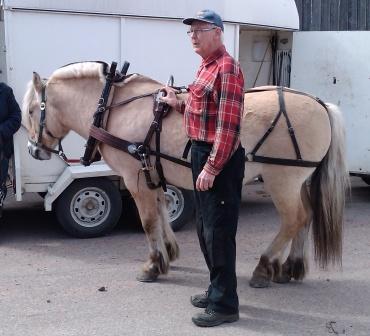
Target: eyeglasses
(198, 31)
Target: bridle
(42, 127)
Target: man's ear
(37, 82)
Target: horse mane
(79, 70)
(94, 70)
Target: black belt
(201, 143)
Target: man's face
(206, 38)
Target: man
(212, 115)
(10, 121)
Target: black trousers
(217, 220)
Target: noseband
(42, 126)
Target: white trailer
(42, 35)
(334, 65)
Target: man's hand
(170, 98)
(204, 181)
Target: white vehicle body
(334, 66)
(43, 35)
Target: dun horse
(303, 195)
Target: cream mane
(92, 70)
(79, 70)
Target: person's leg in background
(4, 165)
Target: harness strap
(273, 88)
(91, 144)
(290, 128)
(252, 157)
(102, 135)
(186, 150)
(282, 162)
(129, 147)
(124, 102)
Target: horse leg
(288, 203)
(169, 236)
(149, 205)
(296, 265)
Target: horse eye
(30, 112)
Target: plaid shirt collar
(217, 54)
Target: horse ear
(37, 82)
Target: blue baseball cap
(208, 16)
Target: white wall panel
(269, 13)
(335, 67)
(158, 48)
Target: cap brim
(189, 21)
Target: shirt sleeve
(180, 106)
(229, 115)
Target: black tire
(89, 207)
(180, 206)
(366, 179)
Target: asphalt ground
(52, 284)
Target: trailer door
(335, 67)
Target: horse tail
(328, 188)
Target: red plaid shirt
(214, 108)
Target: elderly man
(212, 115)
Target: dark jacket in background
(10, 119)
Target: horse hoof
(258, 282)
(147, 276)
(283, 279)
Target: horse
(304, 195)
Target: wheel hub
(90, 207)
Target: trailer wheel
(89, 207)
(366, 179)
(180, 206)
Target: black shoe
(200, 300)
(210, 318)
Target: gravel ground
(52, 284)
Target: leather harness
(252, 157)
(143, 152)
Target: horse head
(37, 117)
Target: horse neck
(76, 101)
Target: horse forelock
(79, 70)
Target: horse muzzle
(37, 152)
